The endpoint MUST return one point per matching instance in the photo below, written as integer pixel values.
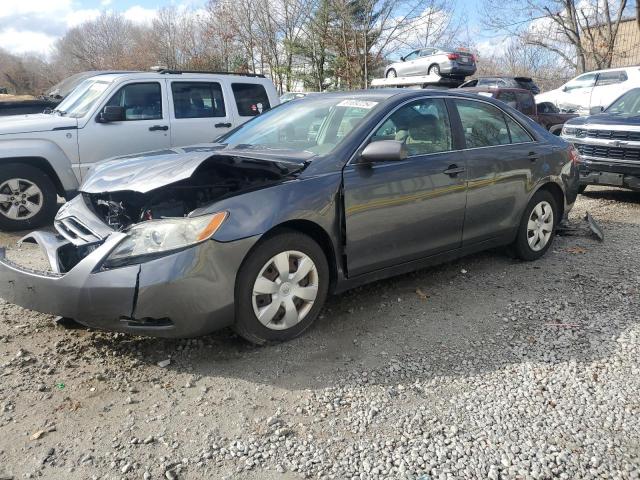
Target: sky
(34, 25)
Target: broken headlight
(158, 237)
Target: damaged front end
(132, 253)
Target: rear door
(399, 211)
(199, 112)
(145, 126)
(501, 158)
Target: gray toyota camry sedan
(312, 197)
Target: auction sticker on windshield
(357, 103)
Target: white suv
(110, 115)
(592, 90)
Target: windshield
(316, 125)
(83, 98)
(628, 104)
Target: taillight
(453, 56)
(473, 58)
(574, 155)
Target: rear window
(525, 83)
(251, 99)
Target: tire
(391, 73)
(581, 189)
(522, 246)
(261, 264)
(435, 68)
(21, 211)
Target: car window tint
(411, 56)
(526, 103)
(610, 78)
(547, 107)
(518, 134)
(483, 124)
(423, 126)
(509, 98)
(141, 101)
(197, 100)
(583, 81)
(251, 99)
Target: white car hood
(38, 122)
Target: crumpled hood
(37, 122)
(151, 170)
(607, 119)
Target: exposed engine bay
(212, 181)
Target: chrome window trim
(443, 97)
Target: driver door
(145, 125)
(399, 211)
(409, 66)
(576, 94)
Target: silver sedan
(431, 60)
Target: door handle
(222, 125)
(533, 156)
(159, 127)
(454, 170)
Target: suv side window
(611, 78)
(583, 81)
(526, 103)
(483, 124)
(141, 101)
(251, 99)
(423, 126)
(197, 100)
(509, 98)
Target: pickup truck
(546, 114)
(46, 155)
(609, 143)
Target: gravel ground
(482, 368)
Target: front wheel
(28, 197)
(391, 73)
(280, 288)
(537, 227)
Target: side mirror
(564, 88)
(383, 151)
(111, 114)
(596, 110)
(402, 59)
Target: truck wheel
(27, 197)
(280, 288)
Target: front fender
(15, 149)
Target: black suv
(609, 143)
(503, 82)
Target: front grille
(608, 134)
(74, 231)
(613, 153)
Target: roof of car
(151, 74)
(489, 88)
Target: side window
(425, 52)
(611, 78)
(509, 98)
(197, 100)
(526, 103)
(483, 124)
(423, 126)
(583, 81)
(412, 56)
(518, 134)
(141, 101)
(251, 99)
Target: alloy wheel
(285, 290)
(20, 199)
(540, 226)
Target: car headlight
(568, 130)
(158, 237)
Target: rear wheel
(28, 197)
(391, 73)
(281, 288)
(537, 227)
(434, 69)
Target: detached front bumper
(184, 294)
